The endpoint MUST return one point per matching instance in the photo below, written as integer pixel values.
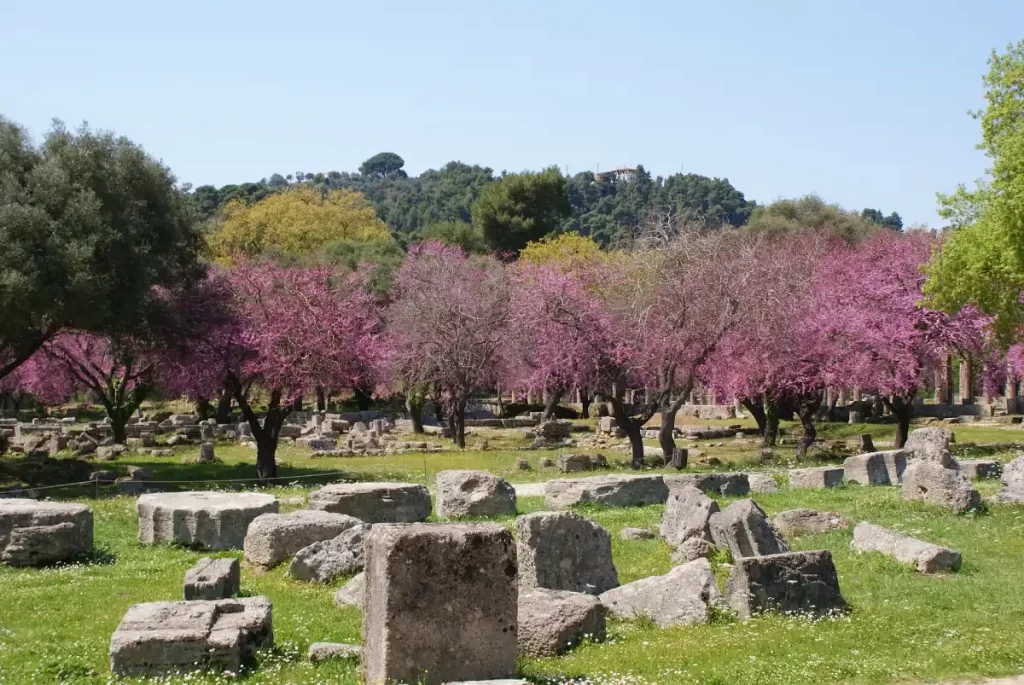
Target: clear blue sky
(862, 102)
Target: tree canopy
(89, 225)
(520, 208)
(383, 164)
(810, 214)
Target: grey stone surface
(575, 463)
(817, 477)
(374, 502)
(34, 533)
(609, 491)
(213, 579)
(1013, 482)
(683, 596)
(762, 483)
(473, 493)
(440, 604)
(636, 534)
(744, 529)
(925, 556)
(351, 594)
(103, 477)
(553, 621)
(980, 469)
(325, 560)
(564, 551)
(160, 638)
(272, 538)
(687, 514)
(808, 522)
(930, 444)
(737, 484)
(694, 548)
(876, 468)
(795, 582)
(333, 651)
(929, 481)
(208, 520)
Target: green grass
(55, 624)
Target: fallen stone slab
(553, 621)
(818, 477)
(333, 651)
(926, 557)
(930, 444)
(929, 481)
(374, 502)
(564, 551)
(876, 468)
(473, 493)
(737, 484)
(762, 483)
(685, 595)
(687, 514)
(452, 619)
(213, 579)
(575, 463)
(1013, 483)
(103, 477)
(608, 491)
(808, 522)
(691, 549)
(207, 520)
(161, 638)
(34, 533)
(790, 583)
(272, 538)
(351, 593)
(636, 534)
(980, 469)
(324, 561)
(744, 529)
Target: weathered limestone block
(333, 651)
(473, 493)
(931, 482)
(691, 549)
(158, 638)
(718, 483)
(208, 520)
(636, 534)
(440, 604)
(819, 477)
(925, 556)
(213, 579)
(980, 469)
(685, 595)
(1013, 482)
(608, 491)
(553, 621)
(34, 533)
(762, 483)
(930, 444)
(564, 551)
(687, 514)
(744, 529)
(351, 594)
(374, 502)
(324, 561)
(876, 468)
(808, 522)
(574, 463)
(795, 582)
(272, 538)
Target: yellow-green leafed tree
(565, 248)
(294, 224)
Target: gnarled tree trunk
(414, 405)
(806, 407)
(755, 408)
(224, 406)
(771, 422)
(902, 407)
(321, 399)
(554, 397)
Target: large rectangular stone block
(876, 468)
(440, 603)
(818, 477)
(608, 491)
(795, 582)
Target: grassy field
(55, 624)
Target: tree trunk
(806, 407)
(266, 458)
(363, 398)
(119, 425)
(757, 411)
(458, 423)
(265, 434)
(321, 399)
(666, 434)
(771, 423)
(830, 415)
(224, 406)
(903, 409)
(554, 397)
(297, 404)
(585, 404)
(632, 428)
(414, 405)
(203, 408)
